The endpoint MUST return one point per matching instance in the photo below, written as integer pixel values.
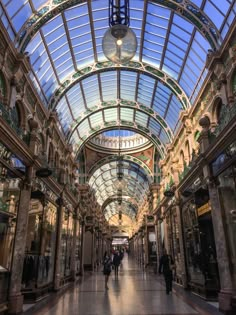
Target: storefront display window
(173, 237)
(200, 249)
(40, 244)
(192, 244)
(66, 242)
(9, 197)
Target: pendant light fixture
(119, 42)
(120, 183)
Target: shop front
(224, 172)
(38, 268)
(201, 260)
(173, 240)
(66, 245)
(10, 178)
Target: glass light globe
(120, 183)
(119, 44)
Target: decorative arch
(100, 67)
(123, 125)
(123, 104)
(187, 9)
(126, 157)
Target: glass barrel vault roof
(63, 39)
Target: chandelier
(119, 42)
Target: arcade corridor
(134, 292)
(117, 134)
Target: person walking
(116, 262)
(107, 264)
(166, 266)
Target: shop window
(9, 197)
(201, 258)
(66, 243)
(40, 243)
(173, 239)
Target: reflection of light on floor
(120, 241)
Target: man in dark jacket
(116, 262)
(166, 266)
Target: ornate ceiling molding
(123, 124)
(132, 66)
(122, 104)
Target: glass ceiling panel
(18, 11)
(128, 83)
(121, 133)
(171, 117)
(109, 85)
(110, 115)
(96, 119)
(127, 114)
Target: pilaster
(226, 293)
(57, 271)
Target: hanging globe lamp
(119, 42)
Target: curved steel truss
(101, 67)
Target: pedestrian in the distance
(116, 262)
(107, 264)
(166, 266)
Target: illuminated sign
(204, 209)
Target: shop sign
(204, 209)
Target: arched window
(233, 84)
(181, 159)
(3, 88)
(187, 152)
(16, 116)
(50, 155)
(197, 135)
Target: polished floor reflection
(133, 292)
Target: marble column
(226, 293)
(57, 271)
(15, 304)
